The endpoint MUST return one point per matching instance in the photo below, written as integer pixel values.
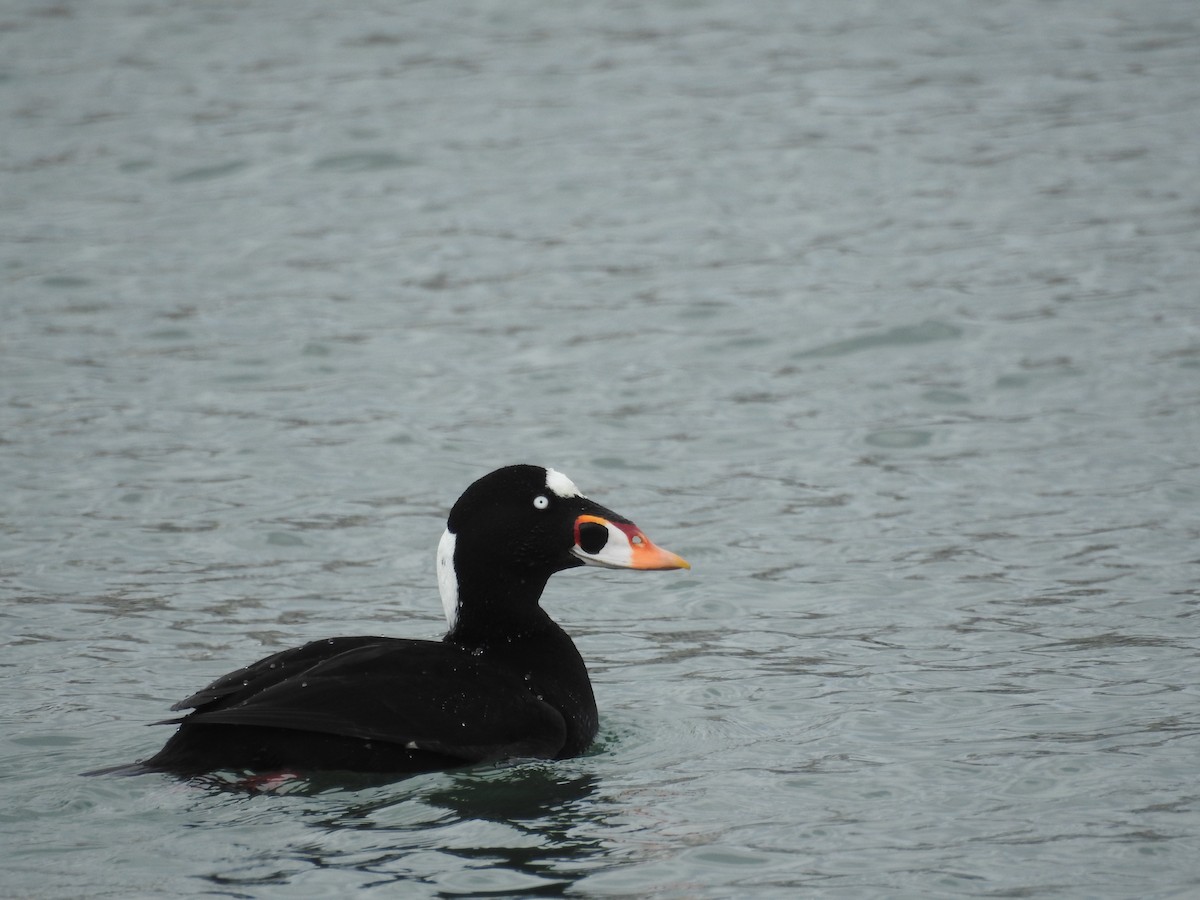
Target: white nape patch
(561, 484)
(447, 577)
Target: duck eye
(540, 502)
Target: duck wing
(270, 670)
(420, 695)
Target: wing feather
(417, 694)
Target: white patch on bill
(561, 485)
(447, 577)
(617, 552)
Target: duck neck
(485, 601)
(496, 610)
(501, 622)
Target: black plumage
(505, 682)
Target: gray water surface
(883, 315)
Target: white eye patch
(540, 502)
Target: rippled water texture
(884, 315)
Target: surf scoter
(505, 682)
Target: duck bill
(620, 545)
